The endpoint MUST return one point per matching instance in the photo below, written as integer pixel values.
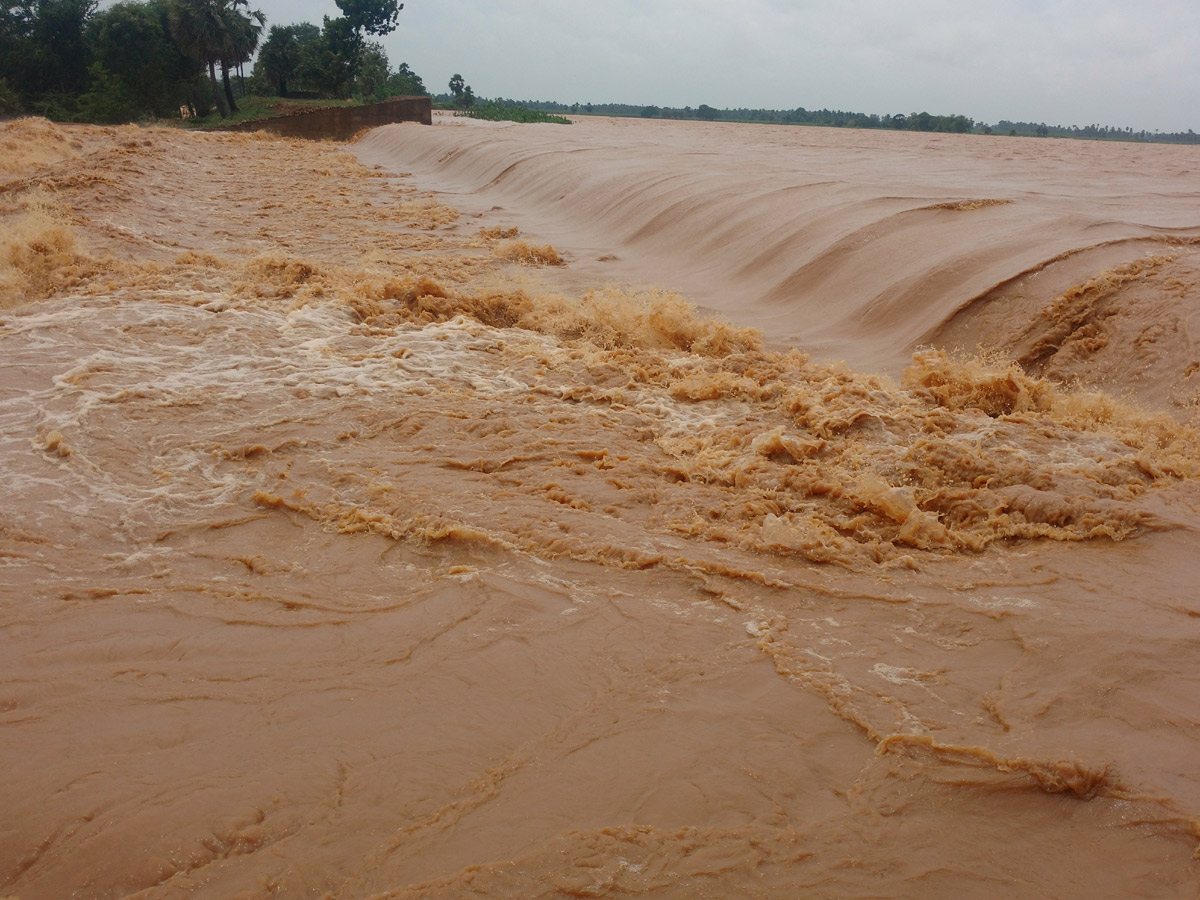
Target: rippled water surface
(385, 520)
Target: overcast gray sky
(1070, 62)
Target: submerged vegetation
(495, 112)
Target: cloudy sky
(1070, 62)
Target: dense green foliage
(43, 49)
(140, 59)
(279, 60)
(136, 66)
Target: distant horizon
(939, 113)
(1073, 63)
(1068, 62)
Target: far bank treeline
(837, 118)
(140, 59)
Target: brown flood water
(351, 548)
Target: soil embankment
(340, 123)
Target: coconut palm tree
(242, 31)
(258, 25)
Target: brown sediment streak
(629, 860)
(817, 673)
(1054, 777)
(385, 542)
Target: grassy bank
(252, 108)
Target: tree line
(1094, 132)
(837, 118)
(69, 60)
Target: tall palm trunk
(228, 88)
(218, 97)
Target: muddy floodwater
(628, 509)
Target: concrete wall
(340, 123)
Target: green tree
(464, 97)
(136, 62)
(361, 18)
(10, 100)
(44, 55)
(377, 17)
(58, 34)
(921, 121)
(704, 111)
(242, 31)
(371, 80)
(326, 63)
(405, 82)
(107, 99)
(285, 58)
(279, 58)
(16, 52)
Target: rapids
(380, 520)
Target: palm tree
(258, 25)
(201, 31)
(279, 57)
(242, 32)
